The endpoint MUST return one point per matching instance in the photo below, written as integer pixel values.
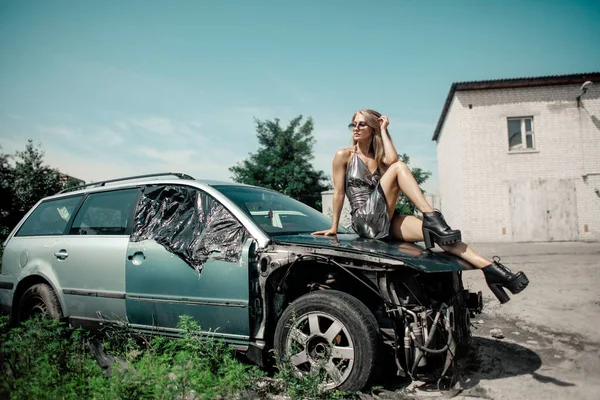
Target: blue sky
(117, 88)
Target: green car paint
(161, 287)
(412, 255)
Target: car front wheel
(329, 333)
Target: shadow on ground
(495, 359)
(487, 359)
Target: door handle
(136, 258)
(61, 254)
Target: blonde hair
(372, 120)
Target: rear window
(50, 217)
(107, 213)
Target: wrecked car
(242, 262)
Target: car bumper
(8, 284)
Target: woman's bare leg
(497, 276)
(409, 229)
(399, 177)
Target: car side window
(50, 217)
(189, 223)
(106, 213)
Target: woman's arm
(391, 155)
(340, 162)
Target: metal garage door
(543, 210)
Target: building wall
(451, 167)
(567, 147)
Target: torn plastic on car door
(189, 224)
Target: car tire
(39, 300)
(331, 332)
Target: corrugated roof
(511, 83)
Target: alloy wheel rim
(318, 342)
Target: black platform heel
(435, 229)
(498, 277)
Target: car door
(92, 266)
(36, 246)
(188, 255)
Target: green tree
(25, 183)
(33, 179)
(6, 195)
(283, 163)
(404, 205)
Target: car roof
(206, 185)
(152, 179)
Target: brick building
(519, 159)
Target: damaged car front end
(344, 306)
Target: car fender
(43, 270)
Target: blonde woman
(370, 174)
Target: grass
(45, 359)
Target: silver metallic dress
(369, 208)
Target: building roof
(512, 83)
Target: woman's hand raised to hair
(384, 122)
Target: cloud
(132, 145)
(59, 131)
(105, 135)
(201, 164)
(159, 125)
(165, 127)
(178, 157)
(74, 163)
(11, 143)
(16, 117)
(90, 170)
(122, 125)
(98, 136)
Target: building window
(520, 134)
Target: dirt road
(551, 348)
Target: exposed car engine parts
(427, 330)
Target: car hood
(412, 255)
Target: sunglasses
(359, 125)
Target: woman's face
(360, 130)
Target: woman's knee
(401, 168)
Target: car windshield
(276, 213)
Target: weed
(44, 359)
